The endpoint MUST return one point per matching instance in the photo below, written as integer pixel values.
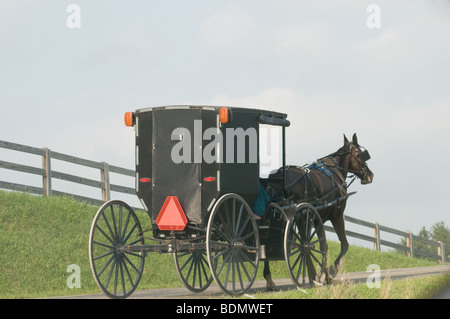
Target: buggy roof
(264, 116)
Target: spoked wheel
(116, 271)
(305, 247)
(232, 244)
(193, 269)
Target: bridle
(363, 155)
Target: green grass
(41, 236)
(411, 288)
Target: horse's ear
(355, 139)
(345, 140)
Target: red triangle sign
(171, 216)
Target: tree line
(437, 232)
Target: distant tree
(425, 234)
(437, 232)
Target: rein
(330, 166)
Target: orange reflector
(209, 179)
(171, 216)
(129, 119)
(224, 115)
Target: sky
(376, 68)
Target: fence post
(441, 251)
(47, 177)
(106, 189)
(376, 230)
(410, 245)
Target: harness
(321, 167)
(329, 167)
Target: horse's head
(358, 156)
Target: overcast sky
(335, 67)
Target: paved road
(282, 284)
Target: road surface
(281, 284)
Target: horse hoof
(333, 271)
(270, 285)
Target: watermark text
(74, 280)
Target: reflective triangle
(171, 216)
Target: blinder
(365, 156)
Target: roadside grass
(410, 288)
(41, 237)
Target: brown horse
(324, 182)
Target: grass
(411, 288)
(42, 236)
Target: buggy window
(270, 149)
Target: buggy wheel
(305, 247)
(193, 269)
(116, 271)
(232, 244)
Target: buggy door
(172, 177)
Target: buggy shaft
(174, 246)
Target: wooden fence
(103, 183)
(441, 250)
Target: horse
(324, 181)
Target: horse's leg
(339, 227)
(323, 247)
(270, 285)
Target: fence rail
(441, 249)
(48, 174)
(106, 187)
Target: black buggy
(198, 178)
